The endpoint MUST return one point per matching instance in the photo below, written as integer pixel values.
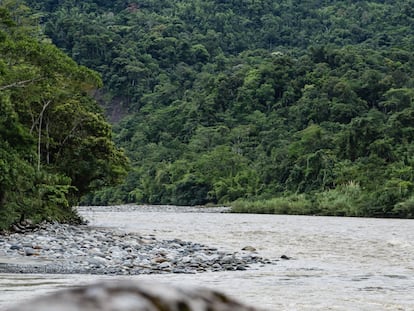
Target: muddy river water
(336, 263)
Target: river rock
(28, 251)
(62, 248)
(165, 266)
(98, 261)
(249, 249)
(134, 296)
(15, 247)
(228, 259)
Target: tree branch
(18, 84)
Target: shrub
(405, 208)
(291, 205)
(344, 200)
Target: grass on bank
(345, 200)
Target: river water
(336, 263)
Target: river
(336, 263)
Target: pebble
(249, 248)
(28, 251)
(61, 248)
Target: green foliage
(345, 200)
(405, 208)
(289, 205)
(55, 145)
(221, 101)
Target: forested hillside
(55, 145)
(305, 104)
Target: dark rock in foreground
(129, 296)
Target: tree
(55, 144)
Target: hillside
(216, 101)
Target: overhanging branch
(18, 84)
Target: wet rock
(249, 249)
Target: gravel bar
(68, 249)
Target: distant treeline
(308, 101)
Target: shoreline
(81, 249)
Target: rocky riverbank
(60, 249)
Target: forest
(55, 145)
(295, 107)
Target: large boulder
(134, 296)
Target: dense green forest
(273, 106)
(55, 145)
